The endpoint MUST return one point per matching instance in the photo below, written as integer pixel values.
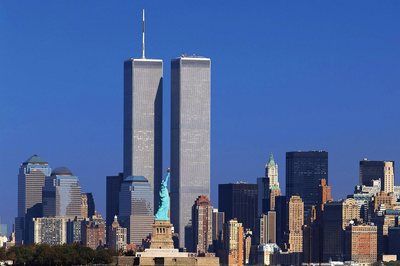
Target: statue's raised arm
(162, 213)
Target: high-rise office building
(361, 243)
(263, 196)
(74, 230)
(136, 208)
(31, 178)
(336, 217)
(304, 170)
(393, 241)
(202, 214)
(324, 194)
(268, 228)
(87, 205)
(233, 243)
(374, 170)
(118, 236)
(50, 230)
(61, 194)
(190, 136)
(239, 201)
(91, 204)
(113, 186)
(271, 171)
(218, 224)
(268, 187)
(84, 206)
(281, 209)
(143, 85)
(296, 222)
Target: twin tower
(190, 129)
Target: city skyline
(61, 157)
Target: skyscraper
(268, 228)
(136, 208)
(296, 222)
(202, 214)
(113, 186)
(190, 136)
(304, 169)
(233, 243)
(336, 217)
(239, 201)
(61, 194)
(217, 227)
(263, 196)
(31, 178)
(118, 236)
(374, 170)
(143, 119)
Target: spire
(143, 35)
(271, 159)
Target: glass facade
(190, 137)
(31, 180)
(136, 208)
(239, 201)
(143, 120)
(62, 194)
(304, 170)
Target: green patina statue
(162, 213)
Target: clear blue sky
(286, 75)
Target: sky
(286, 75)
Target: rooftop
(35, 159)
(61, 171)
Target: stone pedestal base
(161, 238)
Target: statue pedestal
(161, 237)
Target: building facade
(202, 215)
(377, 170)
(268, 228)
(190, 136)
(50, 230)
(218, 221)
(304, 170)
(271, 172)
(94, 232)
(336, 217)
(31, 179)
(113, 186)
(239, 201)
(233, 243)
(296, 222)
(136, 208)
(62, 194)
(143, 83)
(361, 243)
(118, 236)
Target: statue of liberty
(162, 213)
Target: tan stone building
(233, 243)
(296, 222)
(202, 212)
(361, 243)
(84, 205)
(118, 236)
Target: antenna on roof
(143, 35)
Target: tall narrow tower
(190, 137)
(143, 118)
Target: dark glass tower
(113, 187)
(304, 170)
(239, 201)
